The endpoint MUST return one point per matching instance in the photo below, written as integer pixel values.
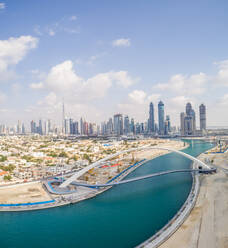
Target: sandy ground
(23, 194)
(150, 154)
(207, 225)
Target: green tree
(3, 158)
(63, 155)
(7, 178)
(86, 156)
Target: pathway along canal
(123, 216)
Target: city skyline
(119, 125)
(118, 69)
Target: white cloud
(72, 30)
(63, 80)
(224, 100)
(2, 5)
(194, 84)
(121, 42)
(36, 86)
(93, 58)
(3, 97)
(64, 25)
(37, 30)
(51, 32)
(79, 93)
(16, 88)
(50, 99)
(73, 18)
(154, 97)
(137, 96)
(222, 76)
(62, 77)
(13, 50)
(179, 101)
(123, 79)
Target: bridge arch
(93, 165)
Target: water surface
(123, 216)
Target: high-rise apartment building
(81, 126)
(118, 124)
(167, 125)
(132, 126)
(151, 119)
(202, 112)
(188, 121)
(161, 118)
(182, 118)
(126, 125)
(109, 126)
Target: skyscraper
(109, 126)
(75, 127)
(118, 124)
(67, 126)
(132, 126)
(161, 116)
(81, 126)
(40, 131)
(33, 126)
(23, 128)
(188, 121)
(167, 125)
(126, 125)
(182, 117)
(151, 119)
(202, 112)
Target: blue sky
(105, 57)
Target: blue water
(123, 216)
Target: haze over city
(112, 57)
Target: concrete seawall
(64, 201)
(161, 236)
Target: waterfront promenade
(207, 224)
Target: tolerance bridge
(93, 165)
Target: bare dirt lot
(23, 194)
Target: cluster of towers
(42, 128)
(123, 125)
(120, 125)
(164, 126)
(188, 120)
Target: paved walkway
(207, 225)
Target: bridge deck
(83, 171)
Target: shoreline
(63, 201)
(207, 224)
(73, 201)
(163, 235)
(178, 219)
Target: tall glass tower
(202, 110)
(161, 118)
(151, 119)
(118, 124)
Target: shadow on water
(124, 216)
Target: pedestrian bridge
(64, 191)
(78, 174)
(205, 171)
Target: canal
(123, 216)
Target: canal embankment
(207, 223)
